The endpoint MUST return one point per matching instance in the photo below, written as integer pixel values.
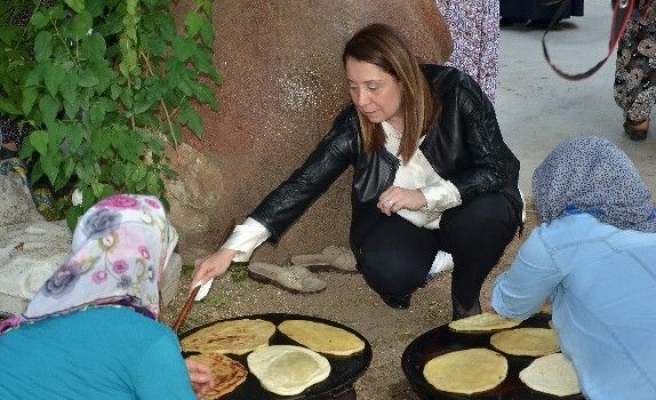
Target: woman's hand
(396, 198)
(212, 266)
(201, 376)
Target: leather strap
(622, 10)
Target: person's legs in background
(395, 257)
(474, 27)
(635, 74)
(476, 234)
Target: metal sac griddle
(442, 340)
(343, 374)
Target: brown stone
(283, 85)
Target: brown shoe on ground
(636, 130)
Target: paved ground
(537, 109)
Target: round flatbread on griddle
(484, 322)
(322, 338)
(534, 342)
(228, 373)
(466, 371)
(553, 374)
(239, 336)
(288, 370)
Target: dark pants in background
(395, 256)
(536, 10)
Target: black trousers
(395, 256)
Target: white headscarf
(119, 251)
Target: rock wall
(283, 85)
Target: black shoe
(399, 302)
(634, 133)
(539, 23)
(508, 21)
(459, 311)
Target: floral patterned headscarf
(591, 175)
(119, 251)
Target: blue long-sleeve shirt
(102, 353)
(602, 282)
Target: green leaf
(193, 120)
(8, 107)
(69, 91)
(39, 20)
(85, 172)
(73, 215)
(76, 5)
(87, 79)
(49, 107)
(50, 166)
(97, 113)
(56, 134)
(193, 22)
(118, 173)
(100, 190)
(139, 173)
(54, 77)
(82, 23)
(35, 76)
(183, 49)
(76, 136)
(39, 140)
(42, 46)
(207, 34)
(100, 141)
(37, 172)
(93, 47)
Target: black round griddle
(442, 340)
(344, 370)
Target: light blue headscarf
(591, 175)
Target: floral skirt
(635, 72)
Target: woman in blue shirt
(91, 332)
(594, 257)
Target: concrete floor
(537, 109)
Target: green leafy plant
(106, 85)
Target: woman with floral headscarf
(91, 332)
(595, 258)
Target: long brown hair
(381, 45)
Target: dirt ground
(349, 301)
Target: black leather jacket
(464, 146)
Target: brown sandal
(633, 132)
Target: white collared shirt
(418, 174)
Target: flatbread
(467, 371)
(228, 373)
(533, 342)
(231, 337)
(553, 374)
(288, 370)
(321, 337)
(484, 322)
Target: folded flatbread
(533, 342)
(228, 373)
(322, 338)
(484, 322)
(553, 374)
(466, 371)
(239, 336)
(287, 370)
